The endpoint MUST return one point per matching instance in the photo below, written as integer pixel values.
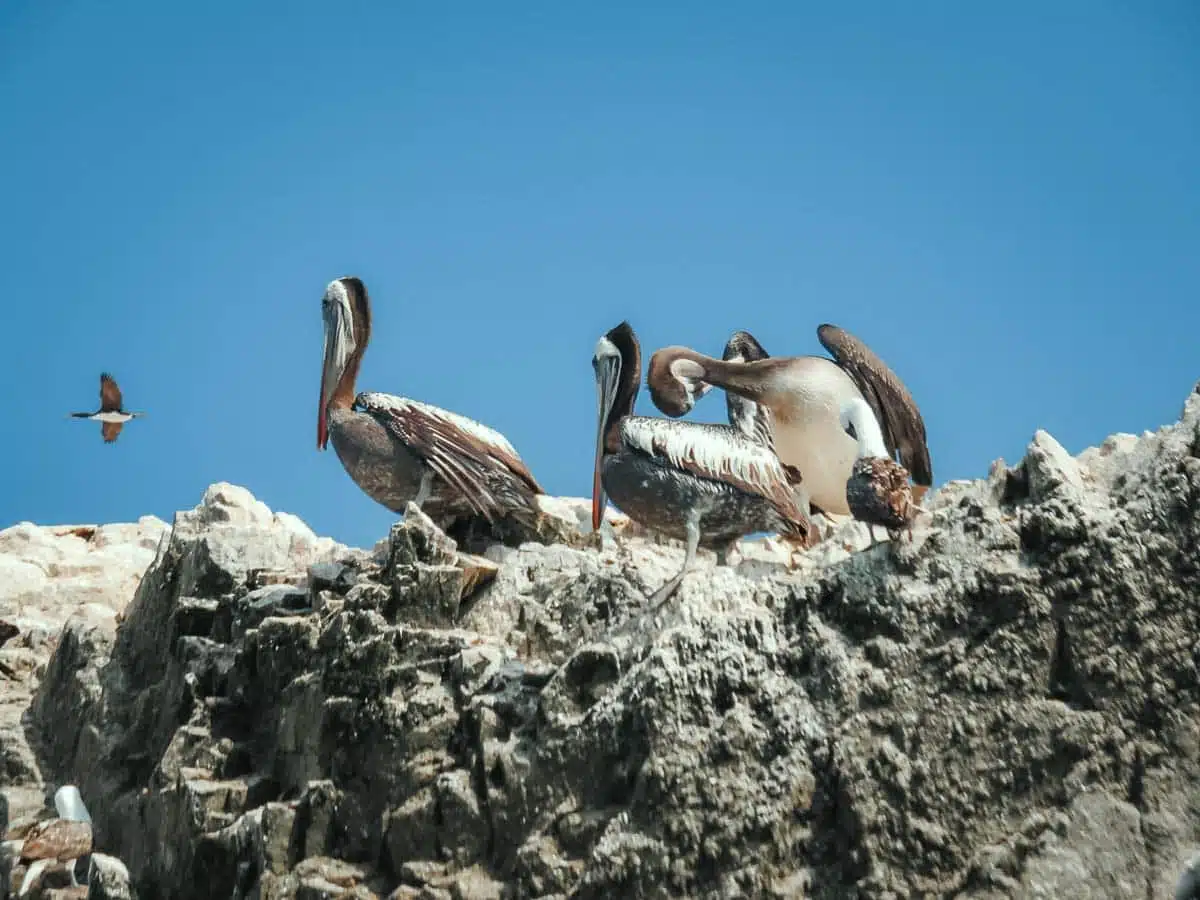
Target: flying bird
(703, 484)
(399, 450)
(878, 490)
(805, 396)
(111, 415)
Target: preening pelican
(704, 484)
(805, 396)
(399, 450)
(111, 415)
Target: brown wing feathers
(466, 463)
(110, 394)
(898, 415)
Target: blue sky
(1002, 199)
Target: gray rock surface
(1007, 706)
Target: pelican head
(742, 346)
(346, 315)
(615, 364)
(676, 380)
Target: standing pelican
(750, 418)
(399, 450)
(701, 483)
(805, 396)
(877, 492)
(111, 416)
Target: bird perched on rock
(111, 414)
(878, 491)
(55, 841)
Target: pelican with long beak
(399, 450)
(703, 484)
(805, 395)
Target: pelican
(111, 416)
(877, 492)
(399, 450)
(805, 396)
(704, 484)
(746, 416)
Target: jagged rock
(1006, 706)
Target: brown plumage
(879, 493)
(57, 839)
(401, 451)
(804, 394)
(111, 415)
(110, 394)
(489, 476)
(894, 408)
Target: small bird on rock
(878, 491)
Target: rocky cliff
(1007, 706)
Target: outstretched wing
(750, 418)
(898, 416)
(718, 453)
(110, 431)
(465, 454)
(110, 394)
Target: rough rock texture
(1008, 706)
(48, 576)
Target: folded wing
(468, 456)
(719, 453)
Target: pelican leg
(725, 551)
(425, 489)
(667, 591)
(871, 533)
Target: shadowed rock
(1006, 707)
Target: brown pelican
(111, 416)
(805, 396)
(704, 484)
(399, 450)
(877, 492)
(745, 415)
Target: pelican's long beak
(322, 432)
(608, 371)
(329, 380)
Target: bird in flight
(111, 415)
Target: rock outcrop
(1006, 706)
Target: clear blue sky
(1003, 201)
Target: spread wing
(894, 408)
(750, 418)
(718, 453)
(110, 394)
(463, 453)
(110, 431)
